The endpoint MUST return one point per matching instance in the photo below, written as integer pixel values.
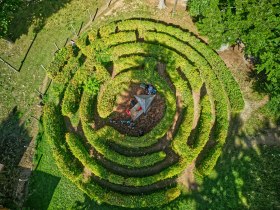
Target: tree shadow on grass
(32, 12)
(44, 185)
(246, 176)
(88, 204)
(14, 140)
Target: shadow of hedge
(45, 185)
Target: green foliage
(92, 86)
(7, 12)
(60, 60)
(74, 90)
(79, 151)
(71, 98)
(55, 132)
(205, 122)
(255, 23)
(130, 162)
(131, 201)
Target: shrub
(79, 151)
(55, 130)
(92, 86)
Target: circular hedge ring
(200, 96)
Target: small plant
(92, 86)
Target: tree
(7, 11)
(256, 23)
(161, 4)
(174, 7)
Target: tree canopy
(255, 23)
(7, 11)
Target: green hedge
(160, 129)
(54, 128)
(108, 93)
(74, 90)
(203, 128)
(208, 163)
(64, 65)
(130, 201)
(72, 97)
(169, 172)
(204, 125)
(60, 60)
(131, 61)
(224, 75)
(130, 162)
(79, 151)
(117, 43)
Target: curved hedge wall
(200, 95)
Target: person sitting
(133, 102)
(151, 90)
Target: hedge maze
(138, 171)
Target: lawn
(51, 28)
(49, 189)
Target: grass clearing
(19, 88)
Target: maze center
(121, 118)
(189, 115)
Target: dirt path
(269, 137)
(196, 105)
(26, 162)
(187, 178)
(241, 70)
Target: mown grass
(19, 88)
(48, 188)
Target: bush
(63, 66)
(130, 201)
(92, 86)
(79, 151)
(72, 98)
(55, 132)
